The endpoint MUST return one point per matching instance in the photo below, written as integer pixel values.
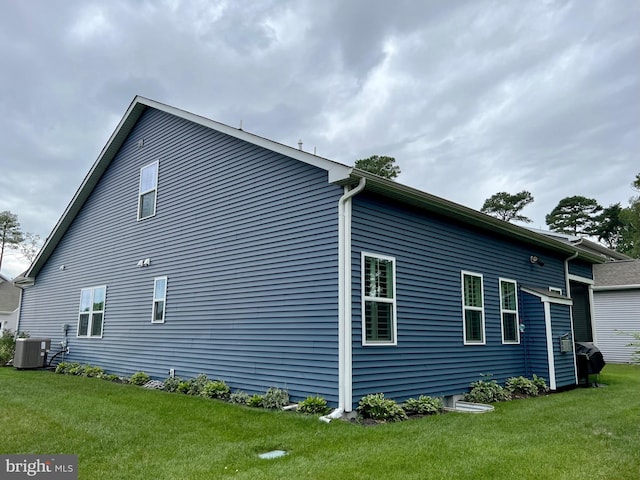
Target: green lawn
(126, 432)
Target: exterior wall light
(533, 259)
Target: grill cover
(596, 360)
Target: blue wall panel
(248, 240)
(535, 337)
(581, 269)
(563, 362)
(430, 253)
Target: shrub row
(377, 407)
(273, 398)
(489, 391)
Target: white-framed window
(159, 299)
(378, 300)
(473, 308)
(509, 311)
(91, 311)
(147, 191)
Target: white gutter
(345, 380)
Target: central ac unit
(31, 352)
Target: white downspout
(344, 303)
(568, 286)
(566, 272)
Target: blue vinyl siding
(430, 253)
(248, 240)
(535, 337)
(581, 269)
(563, 362)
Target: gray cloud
(471, 97)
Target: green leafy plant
(93, 371)
(255, 400)
(486, 391)
(216, 389)
(184, 386)
(314, 405)
(275, 398)
(76, 369)
(376, 407)
(139, 378)
(62, 368)
(195, 385)
(423, 405)
(541, 384)
(521, 387)
(8, 345)
(635, 357)
(171, 384)
(239, 397)
(111, 377)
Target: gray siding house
(9, 302)
(199, 247)
(616, 295)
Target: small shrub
(62, 368)
(95, 371)
(376, 407)
(196, 385)
(486, 391)
(275, 398)
(541, 384)
(216, 389)
(255, 400)
(139, 378)
(314, 405)
(171, 384)
(239, 397)
(76, 369)
(184, 386)
(521, 387)
(423, 405)
(111, 377)
(8, 345)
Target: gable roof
(617, 275)
(338, 173)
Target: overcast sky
(471, 97)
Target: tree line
(615, 226)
